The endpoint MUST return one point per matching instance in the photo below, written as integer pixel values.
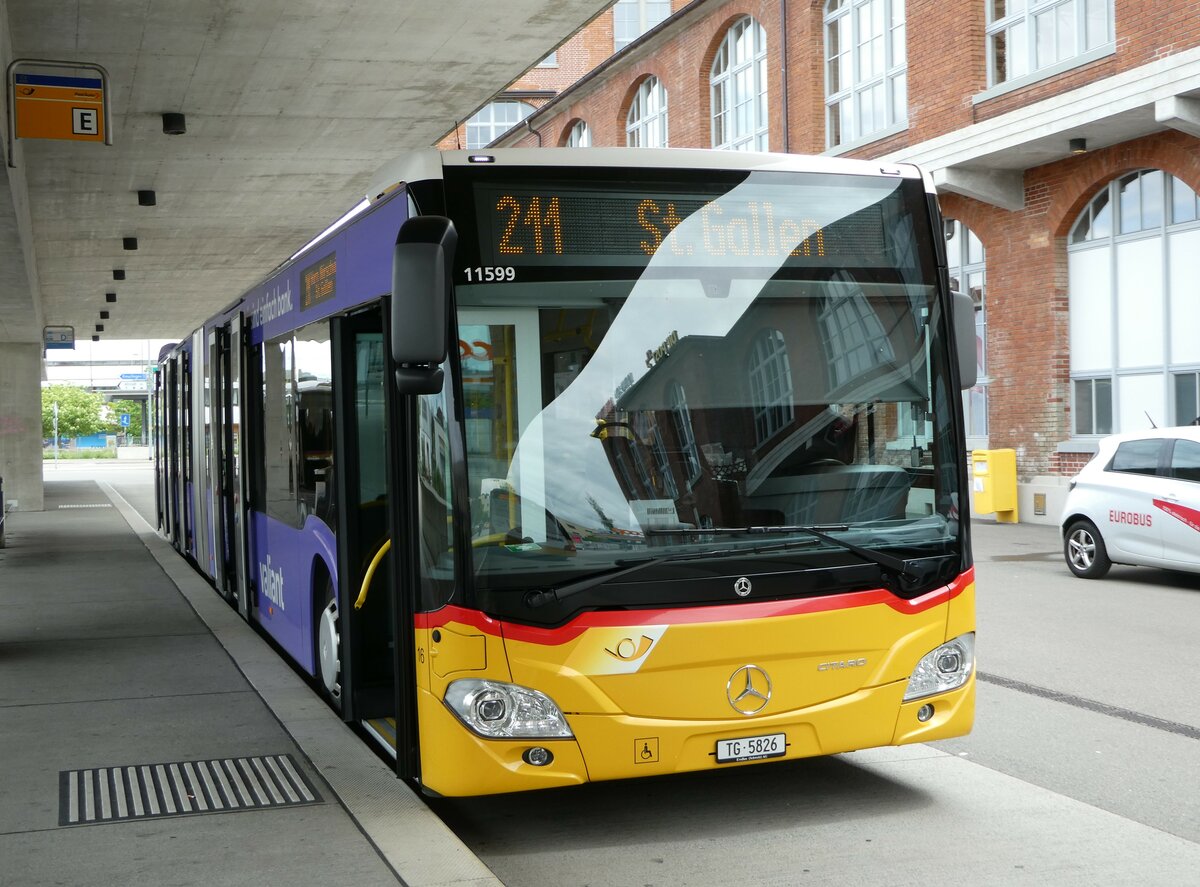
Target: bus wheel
(329, 645)
(1085, 552)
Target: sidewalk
(118, 658)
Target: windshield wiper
(906, 574)
(541, 597)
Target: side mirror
(421, 295)
(964, 338)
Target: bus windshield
(692, 373)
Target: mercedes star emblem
(748, 690)
(742, 587)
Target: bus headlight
(944, 668)
(506, 711)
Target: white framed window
(633, 18)
(681, 418)
(866, 65)
(494, 120)
(646, 123)
(1025, 37)
(739, 88)
(1133, 257)
(771, 389)
(967, 261)
(1093, 406)
(580, 136)
(1186, 388)
(662, 462)
(854, 338)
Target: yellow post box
(994, 483)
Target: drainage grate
(89, 505)
(144, 791)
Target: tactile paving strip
(145, 791)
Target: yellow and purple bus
(555, 466)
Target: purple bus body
(282, 566)
(364, 271)
(282, 558)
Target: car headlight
(506, 711)
(944, 668)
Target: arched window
(866, 88)
(646, 123)
(1028, 37)
(1133, 257)
(579, 136)
(770, 384)
(494, 120)
(739, 88)
(967, 260)
(633, 18)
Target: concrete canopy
(291, 105)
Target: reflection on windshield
(751, 391)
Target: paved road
(1088, 688)
(1083, 768)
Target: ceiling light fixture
(104, 315)
(110, 297)
(147, 198)
(1078, 146)
(118, 273)
(129, 243)
(174, 124)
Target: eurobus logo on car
(1134, 518)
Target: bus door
(233, 466)
(214, 457)
(190, 435)
(162, 454)
(181, 522)
(356, 649)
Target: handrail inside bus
(366, 583)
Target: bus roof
(428, 165)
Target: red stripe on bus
(692, 615)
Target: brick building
(1063, 138)
(583, 52)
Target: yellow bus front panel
(664, 691)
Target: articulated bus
(555, 466)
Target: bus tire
(1084, 550)
(329, 647)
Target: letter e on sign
(85, 121)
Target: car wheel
(1084, 550)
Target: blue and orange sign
(52, 106)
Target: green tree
(78, 411)
(116, 408)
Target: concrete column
(21, 424)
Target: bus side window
(278, 421)
(314, 425)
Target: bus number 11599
(490, 274)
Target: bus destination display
(541, 226)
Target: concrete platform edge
(418, 846)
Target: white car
(1136, 502)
